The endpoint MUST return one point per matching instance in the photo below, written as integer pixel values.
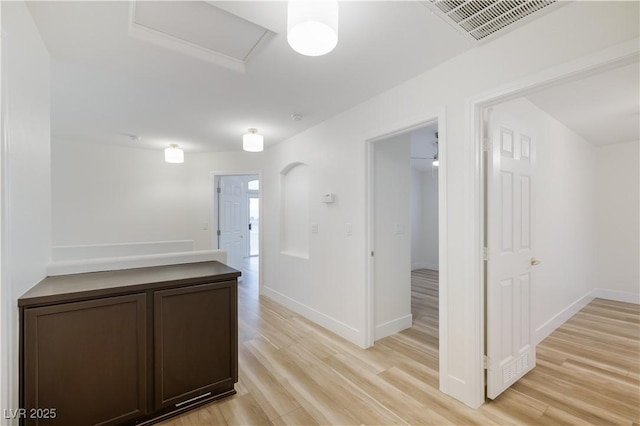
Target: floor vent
(479, 19)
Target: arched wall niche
(294, 210)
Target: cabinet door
(196, 342)
(86, 361)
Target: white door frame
(213, 227)
(409, 124)
(619, 55)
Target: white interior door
(231, 220)
(511, 351)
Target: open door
(231, 221)
(511, 351)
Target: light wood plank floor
(294, 372)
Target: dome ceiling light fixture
(173, 154)
(312, 26)
(252, 141)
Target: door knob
(534, 261)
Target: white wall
(327, 287)
(424, 219)
(112, 194)
(26, 193)
(392, 235)
(617, 230)
(563, 215)
(418, 243)
(331, 287)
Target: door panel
(195, 338)
(87, 361)
(231, 219)
(511, 352)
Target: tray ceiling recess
(481, 20)
(198, 29)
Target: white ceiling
(107, 85)
(602, 108)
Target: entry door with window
(254, 226)
(231, 223)
(511, 350)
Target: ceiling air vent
(479, 19)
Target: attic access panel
(481, 20)
(198, 29)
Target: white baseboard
(601, 293)
(128, 262)
(425, 265)
(341, 329)
(394, 326)
(560, 318)
(618, 296)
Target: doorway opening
(405, 228)
(425, 242)
(399, 298)
(236, 211)
(253, 193)
(538, 122)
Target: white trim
(621, 54)
(443, 257)
(618, 296)
(8, 349)
(168, 41)
(615, 56)
(561, 317)
(330, 323)
(128, 262)
(474, 117)
(368, 295)
(394, 326)
(403, 126)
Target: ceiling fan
(436, 162)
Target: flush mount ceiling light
(312, 26)
(252, 141)
(173, 154)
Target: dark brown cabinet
(126, 347)
(77, 354)
(194, 341)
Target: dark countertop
(67, 288)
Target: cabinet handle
(193, 399)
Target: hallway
(295, 372)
